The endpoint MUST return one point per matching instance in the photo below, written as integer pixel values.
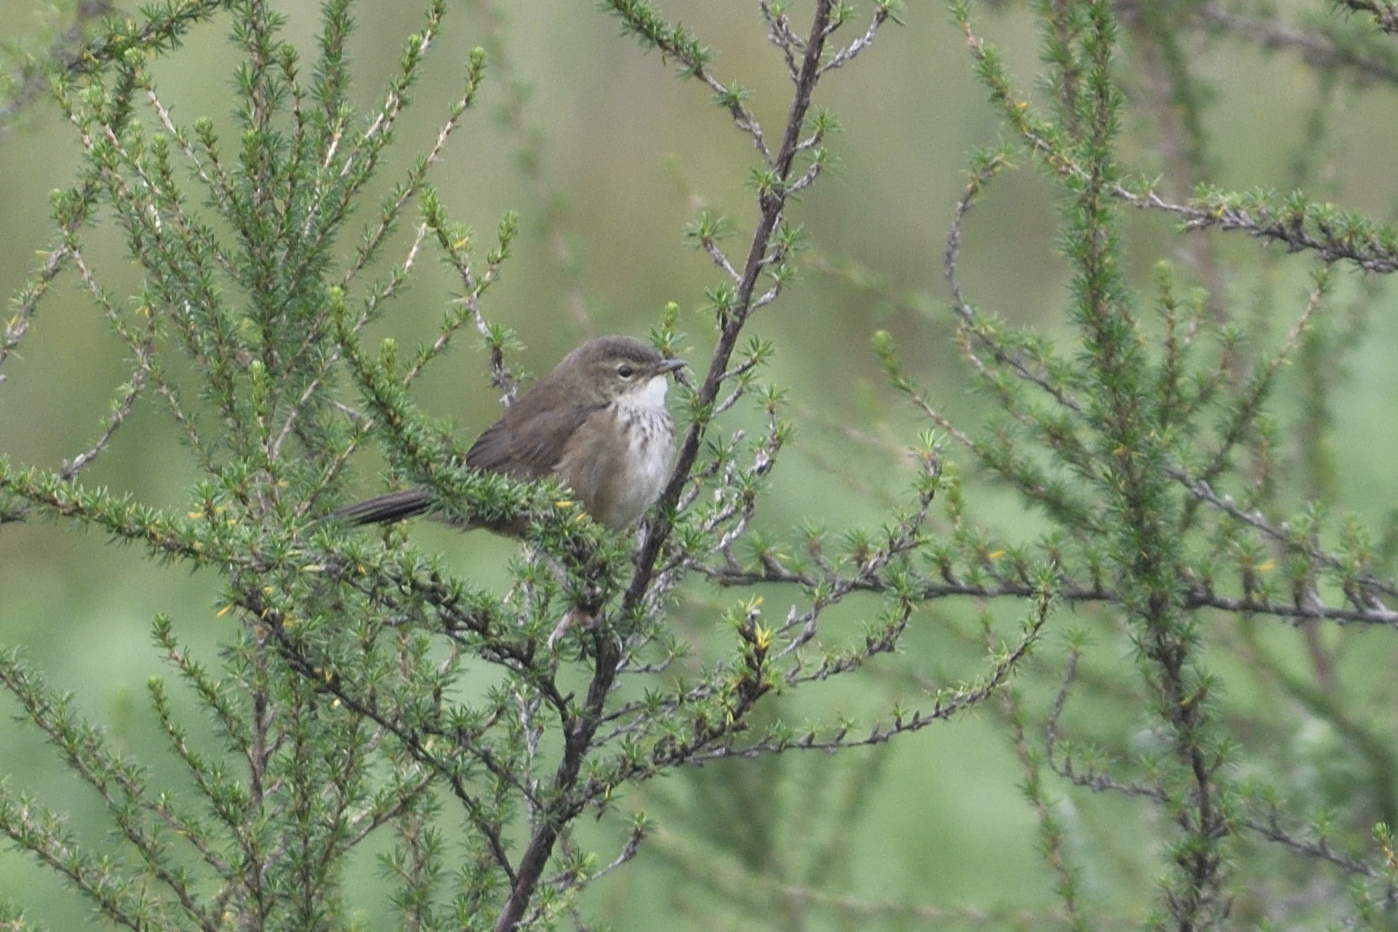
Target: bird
(598, 422)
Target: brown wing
(527, 442)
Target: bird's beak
(673, 365)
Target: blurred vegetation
(1180, 209)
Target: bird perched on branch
(598, 422)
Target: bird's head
(611, 369)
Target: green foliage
(347, 706)
(370, 696)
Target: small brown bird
(598, 422)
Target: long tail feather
(381, 510)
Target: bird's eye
(625, 371)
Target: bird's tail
(391, 507)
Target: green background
(606, 156)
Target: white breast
(652, 446)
